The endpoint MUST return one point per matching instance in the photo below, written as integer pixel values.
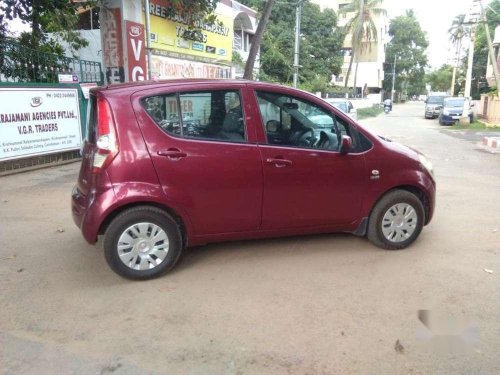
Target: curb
(492, 142)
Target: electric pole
(298, 12)
(393, 79)
(493, 59)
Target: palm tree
(362, 28)
(457, 31)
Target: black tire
(136, 215)
(375, 233)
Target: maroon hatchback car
(173, 164)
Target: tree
(43, 17)
(480, 62)
(192, 10)
(362, 28)
(320, 45)
(408, 45)
(439, 79)
(254, 49)
(457, 31)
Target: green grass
(369, 112)
(475, 126)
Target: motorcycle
(387, 109)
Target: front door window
(295, 122)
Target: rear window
(211, 115)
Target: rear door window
(210, 115)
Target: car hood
(400, 148)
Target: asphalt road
(324, 304)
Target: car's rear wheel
(142, 243)
(396, 220)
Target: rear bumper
(77, 206)
(89, 211)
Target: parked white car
(344, 105)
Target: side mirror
(472, 105)
(345, 144)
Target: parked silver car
(344, 105)
(433, 105)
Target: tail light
(106, 141)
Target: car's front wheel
(142, 243)
(396, 220)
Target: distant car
(433, 105)
(344, 105)
(452, 111)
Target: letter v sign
(136, 48)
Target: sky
(435, 18)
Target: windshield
(435, 100)
(456, 102)
(341, 105)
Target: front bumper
(432, 112)
(450, 119)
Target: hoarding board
(173, 34)
(167, 67)
(136, 51)
(38, 121)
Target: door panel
(307, 181)
(218, 183)
(315, 188)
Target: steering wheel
(305, 137)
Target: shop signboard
(173, 34)
(136, 51)
(38, 121)
(167, 67)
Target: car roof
(134, 86)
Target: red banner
(136, 51)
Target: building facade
(177, 51)
(370, 59)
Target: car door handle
(280, 163)
(172, 153)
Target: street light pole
(465, 119)
(393, 79)
(298, 12)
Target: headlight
(426, 164)
(446, 112)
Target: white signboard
(68, 78)
(167, 67)
(36, 121)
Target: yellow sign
(171, 33)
